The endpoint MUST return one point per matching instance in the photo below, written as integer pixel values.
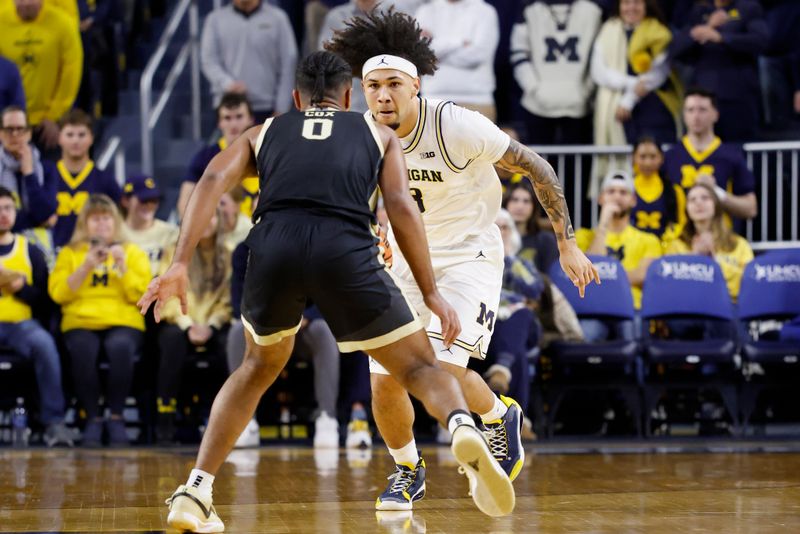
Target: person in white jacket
(551, 44)
(637, 94)
(464, 34)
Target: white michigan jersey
(450, 155)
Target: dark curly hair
(383, 32)
(320, 73)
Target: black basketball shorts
(335, 263)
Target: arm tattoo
(520, 159)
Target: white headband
(386, 61)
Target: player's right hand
(172, 283)
(451, 326)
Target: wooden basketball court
(617, 489)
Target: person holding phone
(97, 280)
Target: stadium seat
(608, 365)
(690, 289)
(770, 292)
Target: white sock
(201, 481)
(497, 412)
(459, 418)
(406, 455)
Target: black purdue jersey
(321, 162)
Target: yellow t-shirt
(106, 298)
(732, 263)
(49, 55)
(630, 247)
(12, 308)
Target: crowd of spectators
(77, 246)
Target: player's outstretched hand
(451, 326)
(577, 266)
(172, 283)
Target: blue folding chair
(606, 365)
(690, 289)
(770, 291)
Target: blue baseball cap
(143, 186)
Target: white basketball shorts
(469, 276)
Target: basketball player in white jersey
(450, 153)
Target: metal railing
(189, 52)
(776, 167)
(114, 149)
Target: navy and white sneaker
(406, 485)
(505, 438)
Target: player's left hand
(577, 266)
(172, 283)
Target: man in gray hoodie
(249, 47)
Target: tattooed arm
(520, 159)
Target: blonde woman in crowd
(97, 279)
(205, 328)
(706, 233)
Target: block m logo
(569, 49)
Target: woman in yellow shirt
(706, 233)
(203, 329)
(97, 279)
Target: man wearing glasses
(30, 179)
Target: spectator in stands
(235, 224)
(796, 82)
(336, 19)
(636, 95)
(780, 66)
(551, 44)
(11, 92)
(702, 157)
(23, 291)
(249, 47)
(660, 205)
(315, 13)
(507, 94)
(721, 42)
(97, 280)
(234, 116)
(538, 246)
(100, 55)
(78, 176)
(205, 328)
(706, 233)
(140, 199)
(616, 237)
(45, 45)
(30, 179)
(516, 328)
(464, 37)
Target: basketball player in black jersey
(319, 168)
